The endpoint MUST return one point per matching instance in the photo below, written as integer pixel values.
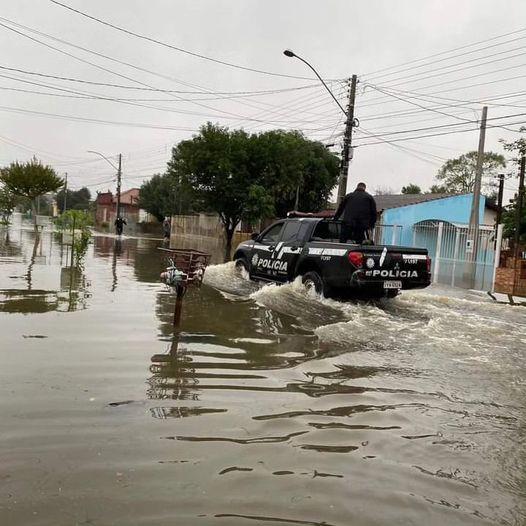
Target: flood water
(271, 408)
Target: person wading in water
(358, 212)
(119, 225)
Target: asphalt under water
(272, 407)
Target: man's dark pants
(354, 231)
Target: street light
(119, 173)
(104, 157)
(289, 53)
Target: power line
(420, 77)
(436, 134)
(227, 94)
(448, 51)
(426, 108)
(176, 48)
(380, 100)
(454, 124)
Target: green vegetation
(30, 180)
(243, 177)
(75, 199)
(517, 148)
(78, 221)
(165, 195)
(458, 175)
(411, 189)
(8, 202)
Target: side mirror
(254, 236)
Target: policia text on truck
(310, 247)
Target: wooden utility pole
(347, 141)
(499, 199)
(518, 210)
(119, 176)
(65, 193)
(473, 232)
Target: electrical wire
(176, 48)
(521, 30)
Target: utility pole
(473, 232)
(499, 199)
(518, 211)
(65, 193)
(119, 175)
(347, 141)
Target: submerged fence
(452, 249)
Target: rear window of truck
(327, 231)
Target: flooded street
(272, 407)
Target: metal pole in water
(178, 305)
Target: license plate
(392, 284)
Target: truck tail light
(428, 263)
(356, 259)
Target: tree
(439, 189)
(250, 177)
(411, 189)
(75, 199)
(30, 180)
(458, 175)
(165, 195)
(509, 217)
(8, 202)
(292, 166)
(216, 163)
(384, 190)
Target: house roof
(384, 202)
(130, 197)
(104, 198)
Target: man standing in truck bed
(358, 212)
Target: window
(327, 231)
(294, 231)
(272, 235)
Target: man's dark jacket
(357, 208)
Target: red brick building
(106, 207)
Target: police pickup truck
(310, 248)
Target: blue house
(439, 222)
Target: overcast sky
(339, 37)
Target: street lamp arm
(104, 157)
(290, 53)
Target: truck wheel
(313, 282)
(242, 268)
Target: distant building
(106, 207)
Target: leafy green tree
(458, 175)
(30, 180)
(75, 199)
(216, 164)
(79, 221)
(509, 219)
(439, 189)
(8, 202)
(292, 166)
(250, 177)
(165, 195)
(411, 189)
(517, 148)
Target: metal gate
(451, 250)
